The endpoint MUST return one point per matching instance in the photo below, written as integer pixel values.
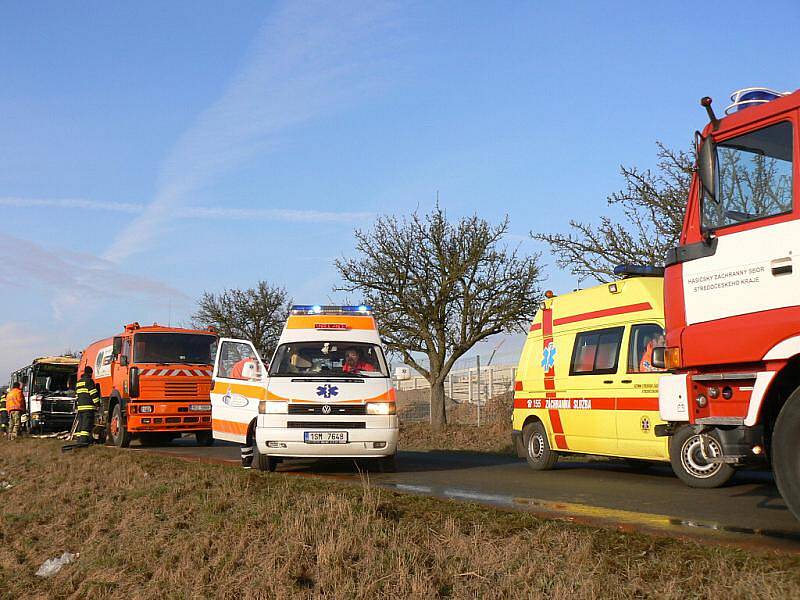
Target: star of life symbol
(548, 356)
(327, 390)
(645, 423)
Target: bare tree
(439, 287)
(652, 204)
(256, 314)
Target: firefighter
(88, 400)
(15, 404)
(3, 414)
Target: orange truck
(155, 383)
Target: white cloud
(73, 278)
(310, 59)
(192, 212)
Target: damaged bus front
(48, 384)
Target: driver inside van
(353, 362)
(646, 362)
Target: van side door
(637, 404)
(238, 385)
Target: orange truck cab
(155, 383)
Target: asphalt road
(748, 511)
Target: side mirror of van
(658, 360)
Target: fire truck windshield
(169, 348)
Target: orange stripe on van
(606, 312)
(558, 430)
(311, 321)
(253, 390)
(232, 427)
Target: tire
(537, 448)
(786, 453)
(263, 462)
(387, 464)
(117, 432)
(204, 438)
(688, 463)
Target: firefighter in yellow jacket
(88, 400)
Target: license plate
(325, 437)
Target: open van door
(238, 385)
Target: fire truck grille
(180, 389)
(327, 409)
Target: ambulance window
(640, 351)
(596, 352)
(237, 360)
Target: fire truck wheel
(688, 463)
(786, 452)
(118, 433)
(204, 438)
(537, 449)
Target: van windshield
(169, 348)
(329, 359)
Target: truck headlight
(199, 407)
(381, 408)
(268, 407)
(147, 408)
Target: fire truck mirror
(117, 346)
(133, 382)
(658, 361)
(123, 361)
(707, 167)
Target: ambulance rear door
(239, 384)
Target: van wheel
(263, 462)
(786, 453)
(118, 433)
(537, 449)
(689, 465)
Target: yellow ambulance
(585, 382)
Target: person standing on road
(3, 414)
(88, 400)
(15, 404)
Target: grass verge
(154, 527)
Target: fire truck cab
(732, 294)
(155, 383)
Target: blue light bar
(747, 97)
(318, 309)
(638, 271)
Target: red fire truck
(732, 296)
(155, 383)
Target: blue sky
(151, 151)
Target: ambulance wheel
(263, 462)
(204, 438)
(118, 433)
(537, 449)
(688, 463)
(786, 453)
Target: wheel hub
(693, 461)
(536, 445)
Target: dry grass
(154, 527)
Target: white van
(326, 394)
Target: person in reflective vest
(3, 414)
(15, 404)
(88, 400)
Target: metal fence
(474, 394)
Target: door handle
(608, 381)
(781, 266)
(627, 381)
